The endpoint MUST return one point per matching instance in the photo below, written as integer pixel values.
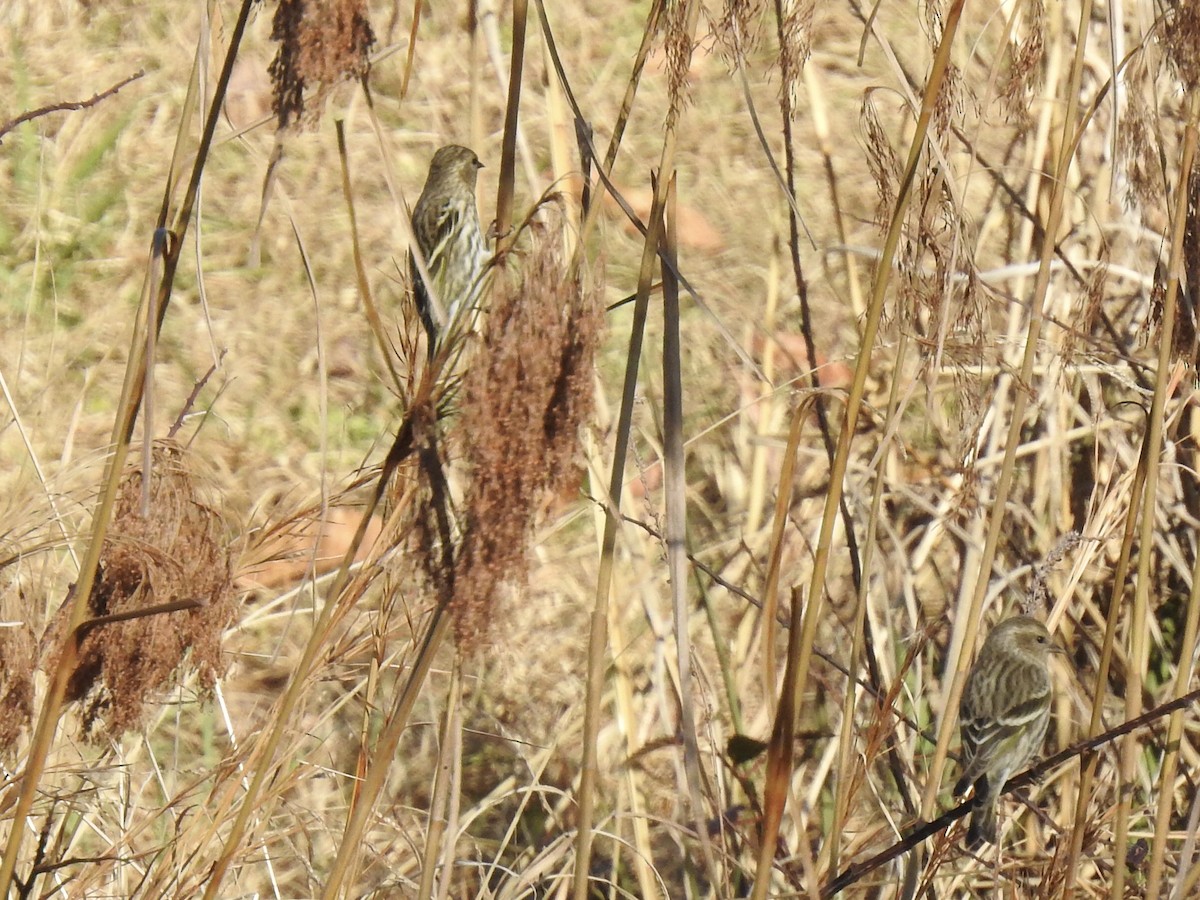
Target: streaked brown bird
(445, 223)
(1003, 715)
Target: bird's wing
(446, 225)
(989, 728)
(984, 730)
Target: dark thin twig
(924, 831)
(69, 105)
(508, 149)
(191, 398)
(129, 615)
(895, 764)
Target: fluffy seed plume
(179, 552)
(526, 395)
(322, 43)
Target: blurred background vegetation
(937, 365)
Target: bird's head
(454, 161)
(1025, 634)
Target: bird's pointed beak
(1060, 650)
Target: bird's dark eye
(1041, 640)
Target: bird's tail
(983, 822)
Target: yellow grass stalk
(413, 30)
(1089, 762)
(437, 845)
(783, 499)
(801, 638)
(560, 136)
(1138, 625)
(360, 269)
(627, 721)
(850, 770)
(1020, 402)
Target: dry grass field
(819, 337)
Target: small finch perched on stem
(445, 224)
(1003, 715)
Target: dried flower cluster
(321, 44)
(18, 657)
(178, 552)
(526, 395)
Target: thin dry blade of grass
(1170, 763)
(437, 846)
(972, 613)
(1165, 383)
(508, 155)
(848, 760)
(360, 272)
(598, 626)
(800, 651)
(676, 533)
